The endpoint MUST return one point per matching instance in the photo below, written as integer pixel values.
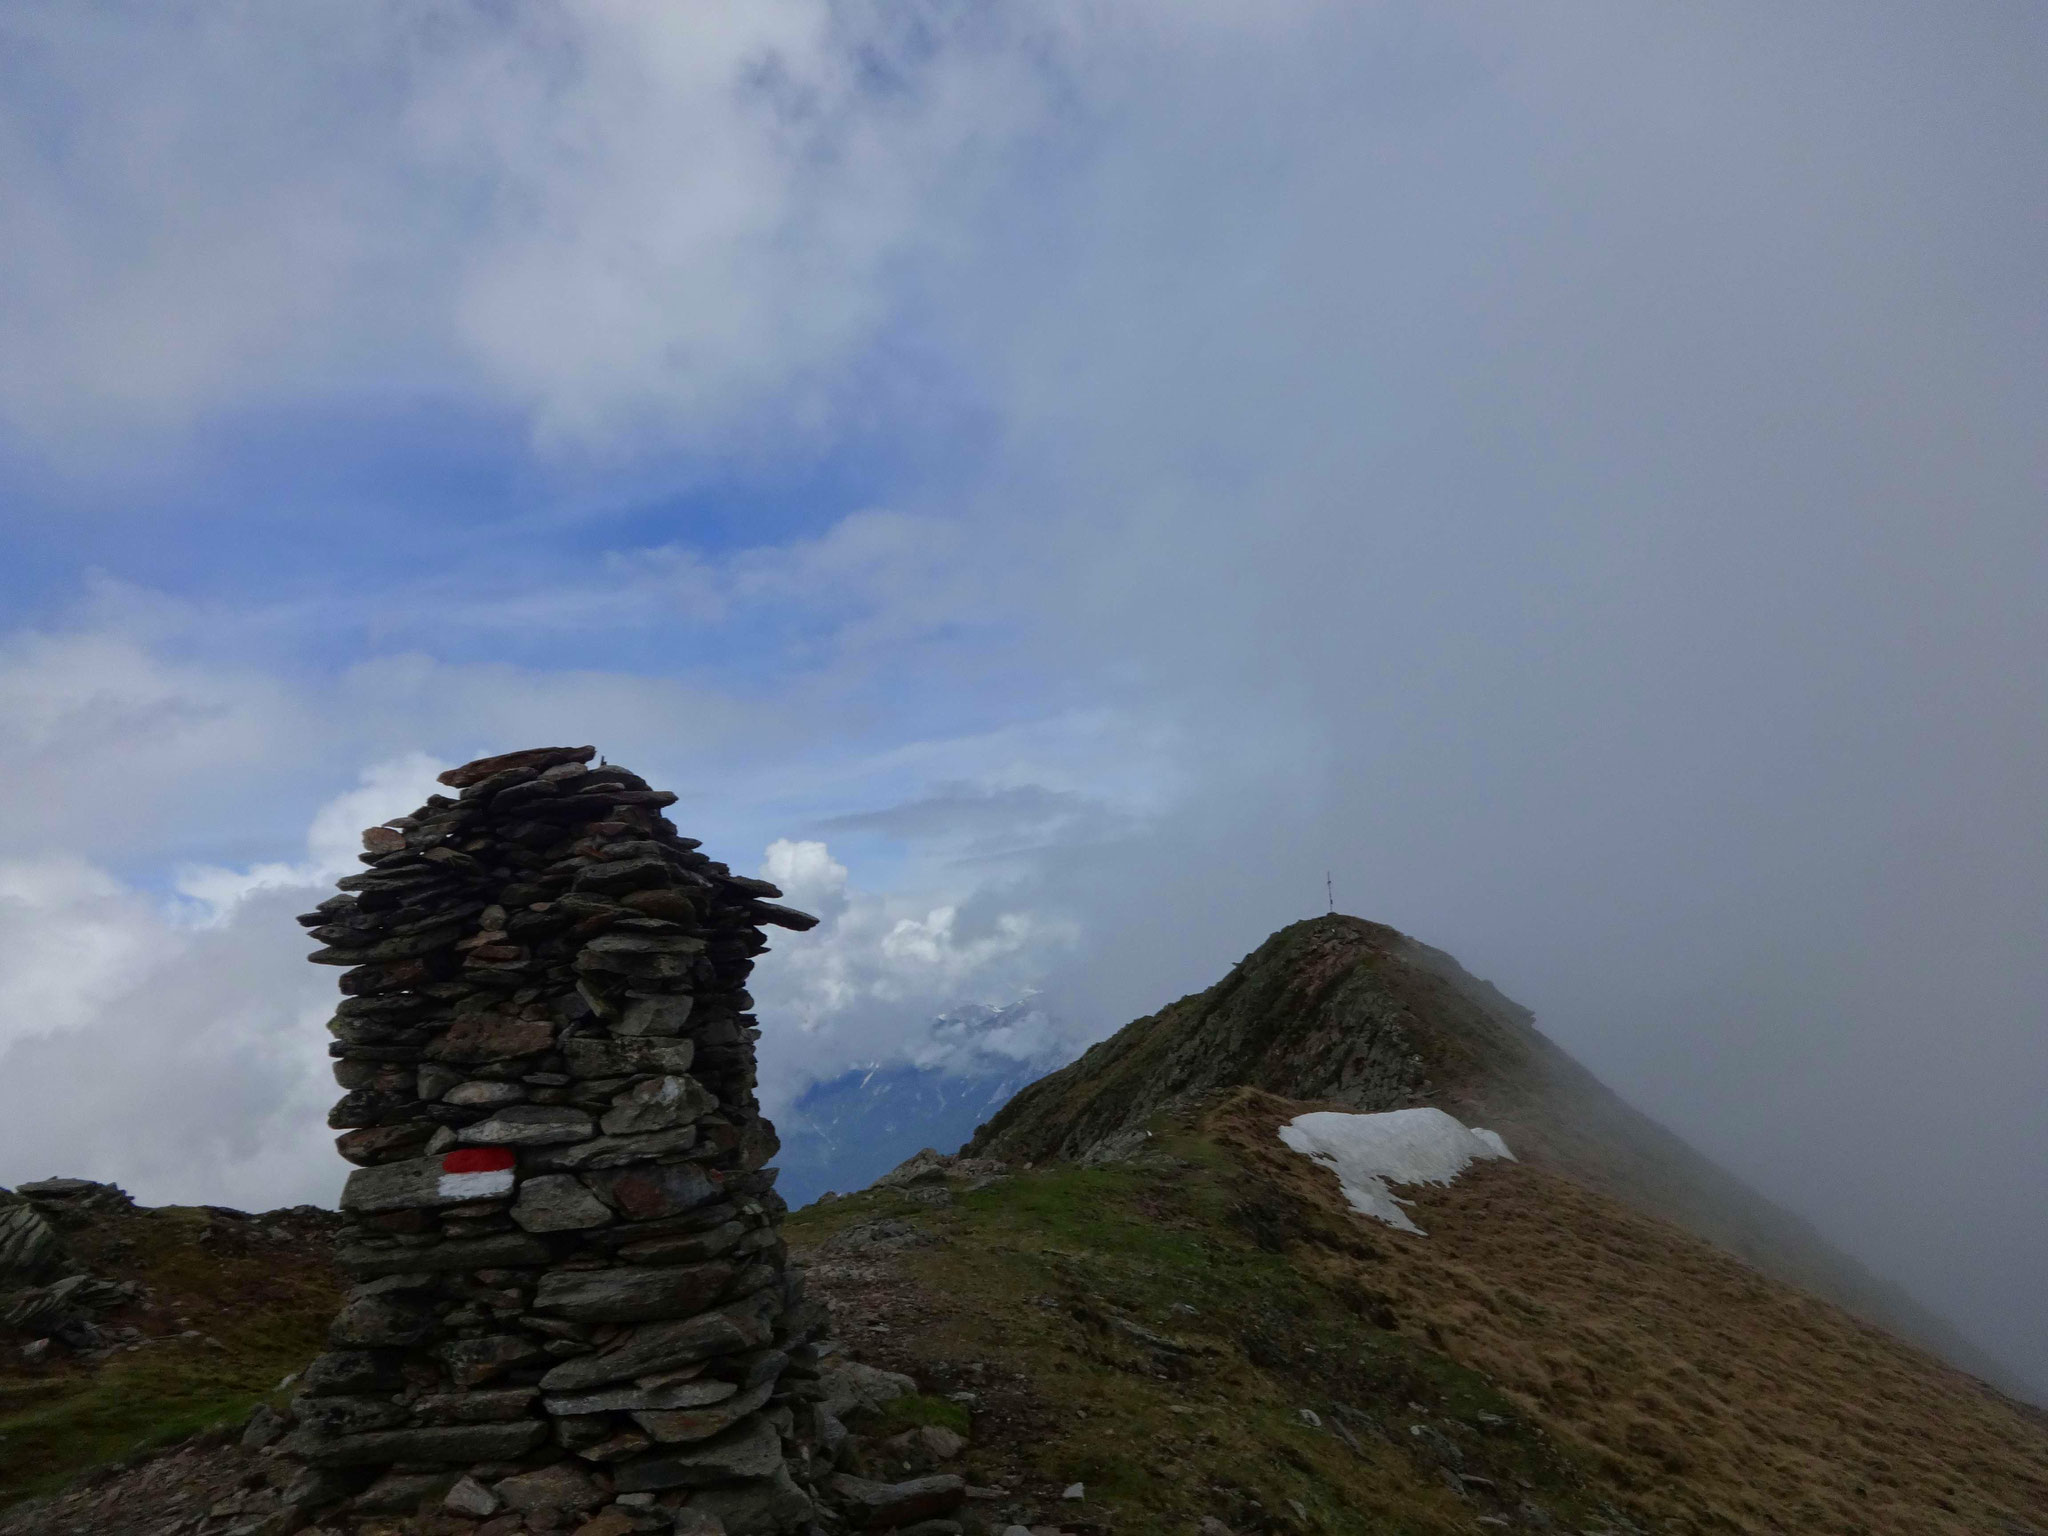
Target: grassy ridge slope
(1340, 1009)
(232, 1305)
(1157, 1325)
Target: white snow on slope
(1402, 1146)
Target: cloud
(203, 1081)
(185, 1029)
(74, 938)
(623, 225)
(808, 875)
(1574, 483)
(908, 953)
(332, 842)
(867, 983)
(978, 821)
(104, 733)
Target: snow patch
(1402, 1146)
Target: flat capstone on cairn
(571, 1299)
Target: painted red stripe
(477, 1160)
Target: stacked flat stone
(565, 1241)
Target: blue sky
(1052, 484)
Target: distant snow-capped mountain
(845, 1132)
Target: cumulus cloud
(185, 1027)
(869, 981)
(204, 1080)
(73, 938)
(809, 876)
(622, 223)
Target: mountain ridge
(1200, 1326)
(1357, 1014)
(1142, 1310)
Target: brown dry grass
(1718, 1397)
(231, 1305)
(1136, 1329)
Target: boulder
(29, 1246)
(694, 1393)
(558, 1202)
(528, 1125)
(873, 1505)
(422, 1183)
(400, 1493)
(340, 1372)
(685, 1247)
(616, 877)
(630, 1294)
(650, 1192)
(481, 1094)
(561, 1487)
(472, 1362)
(655, 1347)
(369, 1322)
(508, 1250)
(624, 1058)
(349, 1415)
(435, 1446)
(679, 1426)
(534, 759)
(613, 1151)
(658, 1104)
(751, 1449)
(489, 1407)
(754, 1508)
(849, 1386)
(472, 1498)
(663, 1015)
(479, 1038)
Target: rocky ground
(242, 1280)
(165, 1322)
(224, 1481)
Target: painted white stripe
(477, 1186)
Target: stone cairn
(572, 1302)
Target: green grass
(51, 1430)
(267, 1309)
(1161, 1313)
(915, 1409)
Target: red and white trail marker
(477, 1173)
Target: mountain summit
(1341, 1011)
